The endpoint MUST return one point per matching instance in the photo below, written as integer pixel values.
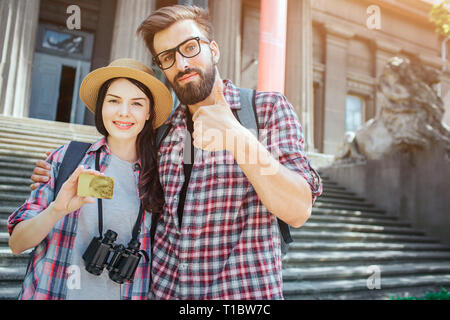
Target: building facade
(336, 49)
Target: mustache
(187, 71)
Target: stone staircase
(349, 244)
(333, 254)
(22, 143)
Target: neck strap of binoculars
(137, 225)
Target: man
(218, 236)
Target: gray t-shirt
(119, 215)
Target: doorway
(67, 83)
(61, 61)
(55, 85)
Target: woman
(129, 103)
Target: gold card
(95, 186)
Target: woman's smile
(123, 125)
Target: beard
(194, 92)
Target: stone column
(335, 86)
(125, 43)
(18, 26)
(226, 19)
(318, 117)
(299, 66)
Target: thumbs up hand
(215, 126)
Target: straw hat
(128, 68)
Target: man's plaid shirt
(48, 272)
(228, 246)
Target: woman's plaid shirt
(49, 268)
(228, 246)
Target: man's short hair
(165, 17)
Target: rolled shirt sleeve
(283, 136)
(41, 197)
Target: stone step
(13, 204)
(344, 193)
(364, 271)
(339, 288)
(351, 213)
(3, 225)
(321, 204)
(328, 181)
(333, 246)
(344, 227)
(48, 128)
(7, 210)
(20, 160)
(5, 216)
(6, 197)
(7, 165)
(16, 273)
(351, 202)
(7, 258)
(389, 294)
(10, 292)
(22, 190)
(25, 143)
(345, 237)
(49, 139)
(356, 220)
(32, 156)
(334, 188)
(25, 182)
(19, 148)
(341, 196)
(322, 258)
(21, 137)
(4, 238)
(15, 173)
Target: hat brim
(162, 97)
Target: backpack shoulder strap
(248, 118)
(74, 154)
(246, 114)
(161, 133)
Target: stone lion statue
(409, 118)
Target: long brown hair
(150, 189)
(166, 16)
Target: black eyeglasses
(188, 49)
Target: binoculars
(123, 262)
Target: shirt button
(175, 198)
(183, 266)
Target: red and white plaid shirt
(228, 246)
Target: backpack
(246, 115)
(76, 150)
